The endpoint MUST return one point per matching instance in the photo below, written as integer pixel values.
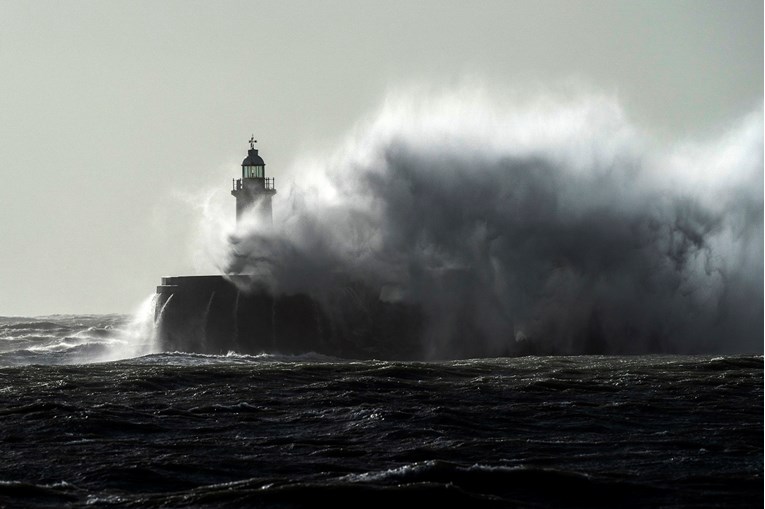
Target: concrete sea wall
(210, 314)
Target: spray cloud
(549, 226)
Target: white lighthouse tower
(254, 190)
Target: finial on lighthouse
(253, 141)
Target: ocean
(92, 415)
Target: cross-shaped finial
(253, 141)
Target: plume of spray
(135, 338)
(549, 226)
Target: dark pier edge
(210, 315)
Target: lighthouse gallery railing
(268, 183)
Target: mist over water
(545, 225)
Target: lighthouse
(254, 190)
(235, 312)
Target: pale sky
(110, 111)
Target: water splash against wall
(136, 337)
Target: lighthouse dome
(253, 159)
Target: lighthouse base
(211, 315)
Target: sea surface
(92, 415)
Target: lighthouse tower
(254, 190)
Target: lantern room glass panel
(253, 172)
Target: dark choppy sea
(181, 430)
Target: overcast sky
(110, 112)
